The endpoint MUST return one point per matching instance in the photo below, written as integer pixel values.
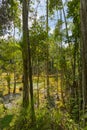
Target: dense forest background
(43, 65)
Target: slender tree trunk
(80, 81)
(31, 84)
(38, 83)
(25, 55)
(44, 80)
(8, 82)
(14, 91)
(73, 86)
(47, 59)
(57, 84)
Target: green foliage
(10, 56)
(58, 31)
(38, 42)
(62, 58)
(22, 121)
(54, 5)
(6, 18)
(5, 122)
(74, 13)
(1, 109)
(85, 128)
(45, 119)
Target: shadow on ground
(5, 121)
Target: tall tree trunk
(25, 54)
(30, 75)
(84, 52)
(38, 103)
(80, 81)
(44, 80)
(31, 84)
(47, 59)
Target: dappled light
(43, 65)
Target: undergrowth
(46, 119)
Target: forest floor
(51, 114)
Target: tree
(25, 54)
(27, 66)
(84, 52)
(47, 49)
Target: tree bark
(25, 54)
(47, 58)
(8, 82)
(84, 51)
(30, 74)
(14, 91)
(38, 103)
